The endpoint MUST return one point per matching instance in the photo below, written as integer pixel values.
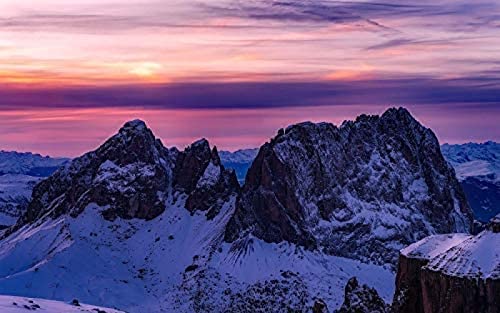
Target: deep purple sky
(235, 71)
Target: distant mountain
(19, 173)
(478, 168)
(239, 160)
(27, 163)
(146, 228)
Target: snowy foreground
(12, 304)
(141, 266)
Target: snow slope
(139, 266)
(460, 255)
(91, 233)
(239, 156)
(12, 304)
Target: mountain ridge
(316, 168)
(152, 222)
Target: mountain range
(19, 173)
(317, 224)
(477, 166)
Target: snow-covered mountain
(478, 168)
(12, 304)
(19, 173)
(239, 160)
(27, 163)
(239, 156)
(15, 193)
(145, 228)
(480, 160)
(363, 190)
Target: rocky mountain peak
(132, 175)
(378, 180)
(361, 298)
(136, 124)
(134, 142)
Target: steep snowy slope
(11, 304)
(140, 227)
(478, 169)
(363, 190)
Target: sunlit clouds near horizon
(209, 57)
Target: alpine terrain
(478, 168)
(140, 227)
(239, 160)
(19, 173)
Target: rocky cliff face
(450, 273)
(363, 190)
(133, 175)
(360, 298)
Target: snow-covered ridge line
(13, 304)
(474, 159)
(12, 162)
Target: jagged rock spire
(360, 190)
(132, 174)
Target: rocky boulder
(362, 299)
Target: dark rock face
(420, 290)
(362, 299)
(449, 294)
(363, 190)
(460, 277)
(277, 295)
(132, 175)
(408, 296)
(200, 174)
(124, 174)
(320, 306)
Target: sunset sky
(234, 71)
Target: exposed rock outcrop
(363, 190)
(132, 175)
(362, 299)
(451, 273)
